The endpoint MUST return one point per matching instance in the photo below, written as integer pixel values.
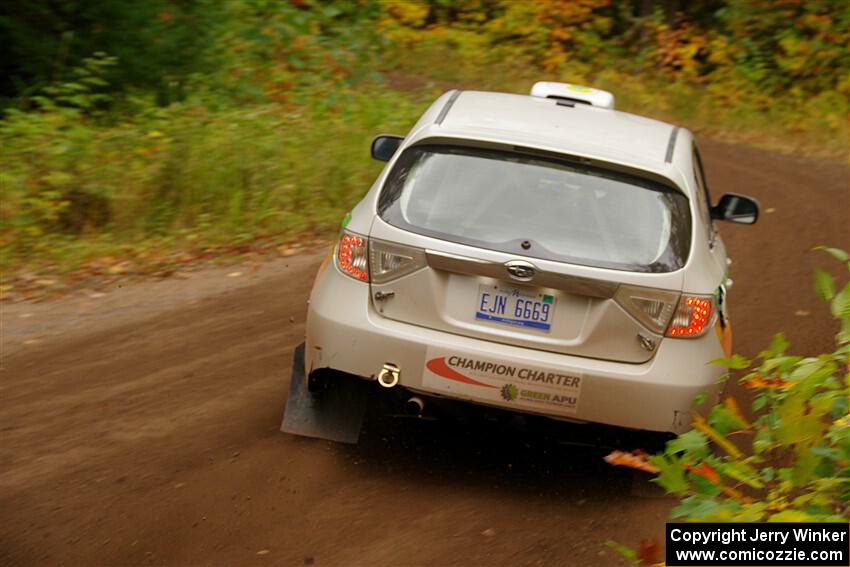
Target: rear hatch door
(528, 251)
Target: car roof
(562, 126)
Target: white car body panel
(654, 396)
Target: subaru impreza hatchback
(543, 254)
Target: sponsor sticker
(503, 382)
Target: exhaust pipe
(389, 375)
(414, 406)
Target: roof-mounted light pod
(577, 93)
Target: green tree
(158, 43)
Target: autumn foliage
(793, 45)
(791, 461)
(200, 124)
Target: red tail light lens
(352, 257)
(693, 317)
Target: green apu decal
(346, 219)
(509, 392)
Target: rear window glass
(538, 207)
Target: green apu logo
(509, 392)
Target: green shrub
(220, 172)
(791, 462)
(795, 463)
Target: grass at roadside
(191, 179)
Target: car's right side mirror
(736, 208)
(384, 147)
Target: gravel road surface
(141, 427)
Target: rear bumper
(345, 333)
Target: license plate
(515, 306)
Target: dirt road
(141, 427)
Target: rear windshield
(537, 207)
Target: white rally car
(543, 254)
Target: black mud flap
(335, 414)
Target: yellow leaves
(742, 472)
(733, 408)
(777, 505)
(757, 382)
(602, 25)
(554, 60)
(792, 46)
(408, 12)
(700, 424)
(735, 494)
(570, 11)
(790, 516)
(800, 420)
(57, 178)
(816, 21)
(678, 49)
(719, 51)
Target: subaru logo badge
(520, 270)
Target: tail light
(389, 261)
(351, 256)
(657, 310)
(693, 318)
(653, 308)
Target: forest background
(140, 135)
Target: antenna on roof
(575, 93)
